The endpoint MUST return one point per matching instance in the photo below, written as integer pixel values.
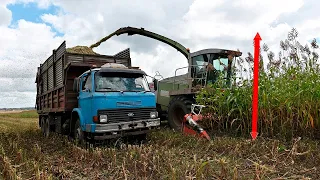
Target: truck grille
(124, 115)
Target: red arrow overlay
(254, 132)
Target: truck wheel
(79, 135)
(178, 107)
(46, 126)
(40, 121)
(141, 138)
(42, 124)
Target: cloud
(21, 51)
(157, 16)
(5, 15)
(25, 48)
(20, 84)
(16, 99)
(165, 60)
(195, 24)
(240, 19)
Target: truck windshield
(129, 82)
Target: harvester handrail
(175, 74)
(189, 74)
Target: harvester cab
(204, 67)
(208, 64)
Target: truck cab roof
(116, 70)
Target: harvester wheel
(178, 107)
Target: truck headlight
(103, 118)
(153, 115)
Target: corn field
(289, 94)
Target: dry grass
(81, 50)
(25, 154)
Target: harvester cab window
(211, 63)
(199, 62)
(221, 64)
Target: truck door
(85, 97)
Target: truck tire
(46, 127)
(137, 139)
(178, 107)
(42, 124)
(79, 135)
(141, 138)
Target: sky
(31, 29)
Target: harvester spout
(132, 31)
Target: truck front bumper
(123, 126)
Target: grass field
(25, 154)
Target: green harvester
(176, 94)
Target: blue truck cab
(114, 100)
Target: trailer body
(61, 101)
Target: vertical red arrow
(254, 131)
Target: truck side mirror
(76, 85)
(155, 84)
